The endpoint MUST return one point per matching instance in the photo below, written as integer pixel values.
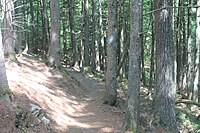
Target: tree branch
(188, 102)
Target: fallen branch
(188, 102)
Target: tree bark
(133, 107)
(111, 71)
(122, 60)
(86, 42)
(180, 44)
(123, 47)
(101, 34)
(94, 46)
(54, 49)
(33, 28)
(7, 33)
(197, 60)
(164, 101)
(73, 34)
(191, 55)
(45, 25)
(19, 27)
(152, 67)
(4, 89)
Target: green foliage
(24, 130)
(88, 71)
(147, 74)
(63, 70)
(188, 121)
(100, 76)
(5, 92)
(123, 85)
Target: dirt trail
(70, 107)
(94, 88)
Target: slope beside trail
(73, 104)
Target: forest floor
(46, 101)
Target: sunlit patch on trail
(61, 99)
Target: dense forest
(147, 48)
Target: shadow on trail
(66, 104)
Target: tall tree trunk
(46, 25)
(101, 34)
(184, 51)
(119, 28)
(37, 37)
(4, 88)
(143, 63)
(54, 49)
(197, 60)
(180, 43)
(123, 49)
(94, 46)
(164, 100)
(64, 39)
(152, 73)
(86, 42)
(7, 33)
(143, 42)
(33, 28)
(124, 41)
(122, 60)
(25, 33)
(127, 41)
(73, 34)
(178, 48)
(132, 118)
(19, 27)
(190, 72)
(111, 71)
